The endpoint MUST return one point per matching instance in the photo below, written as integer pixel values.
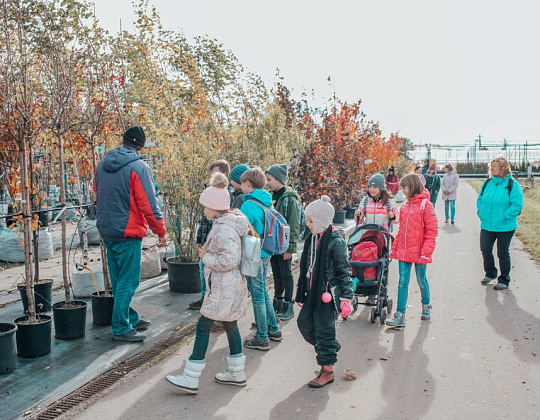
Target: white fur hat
(322, 214)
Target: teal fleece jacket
(498, 211)
(255, 214)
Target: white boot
(188, 380)
(234, 375)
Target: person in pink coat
(414, 244)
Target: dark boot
(278, 305)
(197, 304)
(287, 312)
(325, 377)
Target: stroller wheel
(373, 315)
(383, 316)
(389, 305)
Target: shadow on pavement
(407, 386)
(519, 327)
(215, 396)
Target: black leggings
(487, 240)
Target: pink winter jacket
(417, 232)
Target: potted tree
(21, 108)
(183, 176)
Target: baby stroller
(370, 277)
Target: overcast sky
(436, 71)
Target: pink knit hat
(216, 195)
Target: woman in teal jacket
(498, 206)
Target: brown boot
(325, 377)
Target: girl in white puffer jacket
(226, 297)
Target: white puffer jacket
(450, 183)
(226, 289)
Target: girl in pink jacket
(414, 244)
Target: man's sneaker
(277, 336)
(486, 280)
(131, 336)
(501, 286)
(254, 343)
(452, 222)
(142, 325)
(196, 305)
(397, 321)
(426, 312)
(446, 221)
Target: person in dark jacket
(324, 287)
(126, 203)
(499, 204)
(433, 183)
(221, 166)
(285, 201)
(236, 174)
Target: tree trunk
(27, 227)
(64, 228)
(106, 278)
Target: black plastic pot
(184, 277)
(33, 340)
(339, 217)
(44, 218)
(8, 348)
(349, 212)
(102, 308)
(42, 295)
(69, 319)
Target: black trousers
(318, 327)
(487, 240)
(283, 277)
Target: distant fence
(526, 182)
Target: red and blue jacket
(126, 197)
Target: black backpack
(508, 187)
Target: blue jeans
(124, 262)
(403, 288)
(203, 280)
(450, 206)
(265, 317)
(202, 337)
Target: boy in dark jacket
(285, 201)
(324, 287)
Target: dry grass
(529, 220)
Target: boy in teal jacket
(252, 183)
(498, 205)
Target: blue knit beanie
(237, 172)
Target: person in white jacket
(449, 185)
(226, 296)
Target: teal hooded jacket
(498, 211)
(255, 214)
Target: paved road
(477, 358)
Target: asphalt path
(478, 357)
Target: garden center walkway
(477, 358)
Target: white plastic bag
(81, 279)
(12, 248)
(150, 264)
(91, 232)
